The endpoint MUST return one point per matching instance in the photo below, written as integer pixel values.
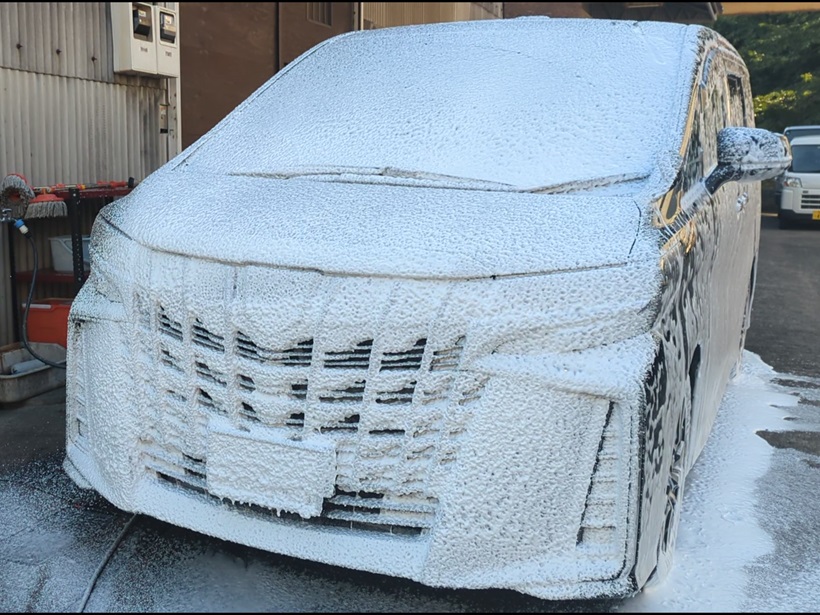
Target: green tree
(782, 51)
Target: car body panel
(396, 231)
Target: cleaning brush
(15, 194)
(46, 205)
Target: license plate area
(815, 215)
(267, 468)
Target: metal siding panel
(71, 43)
(37, 40)
(58, 129)
(80, 30)
(8, 39)
(53, 40)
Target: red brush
(15, 194)
(46, 206)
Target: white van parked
(800, 184)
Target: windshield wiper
(386, 172)
(591, 183)
(440, 180)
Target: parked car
(455, 302)
(800, 184)
(776, 186)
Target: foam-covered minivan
(456, 303)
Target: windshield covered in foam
(522, 103)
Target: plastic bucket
(62, 256)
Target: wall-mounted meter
(134, 31)
(167, 21)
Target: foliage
(782, 51)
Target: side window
(737, 101)
(715, 114)
(719, 102)
(692, 170)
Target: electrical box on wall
(167, 24)
(134, 32)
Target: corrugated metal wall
(66, 117)
(71, 130)
(387, 14)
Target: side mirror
(748, 155)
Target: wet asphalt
(785, 329)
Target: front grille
(395, 414)
(810, 200)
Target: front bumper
(799, 204)
(798, 217)
(395, 426)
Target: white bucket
(62, 254)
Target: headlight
(591, 329)
(792, 182)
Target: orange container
(48, 321)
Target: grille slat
(206, 400)
(202, 336)
(419, 521)
(474, 392)
(402, 396)
(168, 325)
(380, 503)
(448, 358)
(212, 376)
(354, 393)
(599, 523)
(299, 355)
(170, 360)
(355, 358)
(405, 359)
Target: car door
(727, 226)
